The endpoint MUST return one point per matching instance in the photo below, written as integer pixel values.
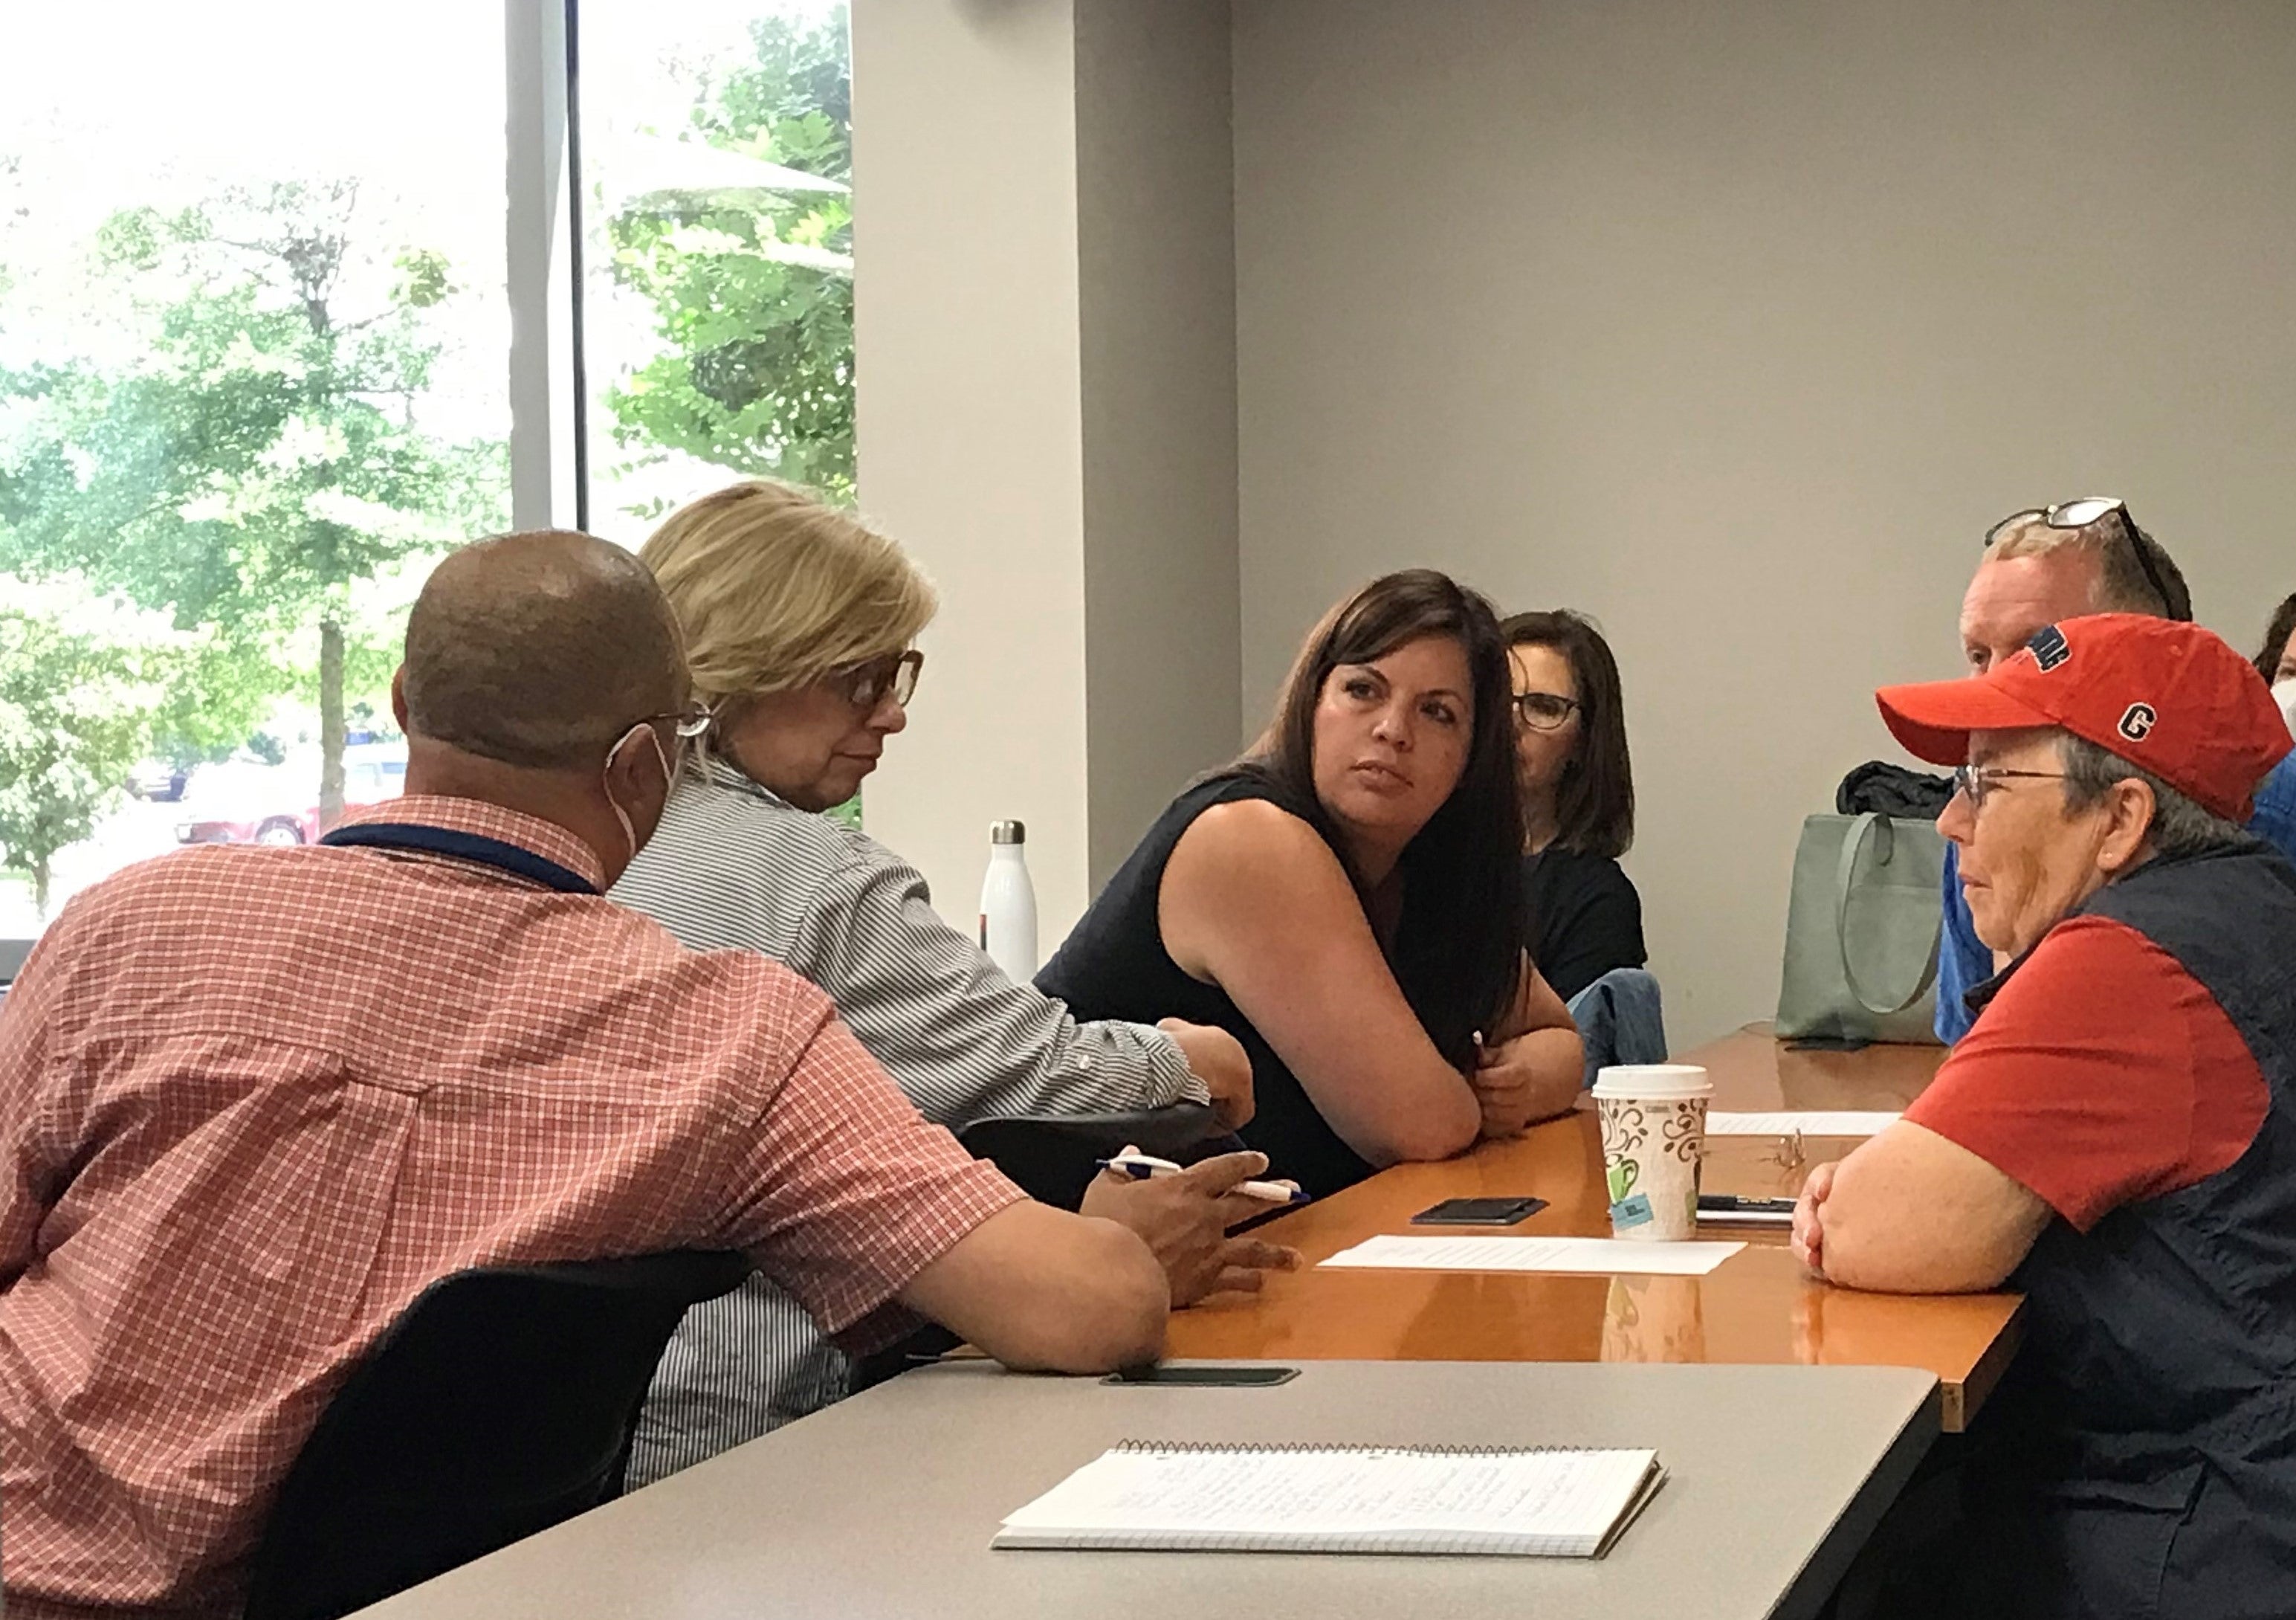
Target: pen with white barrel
(1143, 1167)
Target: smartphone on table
(1479, 1211)
(1252, 1376)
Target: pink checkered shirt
(254, 1099)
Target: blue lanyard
(462, 846)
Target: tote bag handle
(1844, 880)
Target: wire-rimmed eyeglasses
(687, 723)
(1973, 782)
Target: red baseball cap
(2169, 698)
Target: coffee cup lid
(1658, 1081)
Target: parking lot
(246, 796)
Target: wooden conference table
(1756, 1307)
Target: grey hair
(2180, 827)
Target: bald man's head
(540, 650)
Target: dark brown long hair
(1457, 952)
(1595, 801)
(2276, 639)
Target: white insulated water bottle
(1008, 904)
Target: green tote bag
(1861, 930)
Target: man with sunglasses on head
(2115, 1137)
(2040, 566)
(254, 1100)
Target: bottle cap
(1007, 832)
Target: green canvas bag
(1863, 925)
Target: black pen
(1747, 1206)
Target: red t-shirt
(2101, 1073)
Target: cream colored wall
(970, 424)
(1157, 266)
(1046, 361)
(1736, 325)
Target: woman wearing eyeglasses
(799, 621)
(1338, 900)
(1584, 918)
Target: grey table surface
(884, 1505)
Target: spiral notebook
(1548, 1501)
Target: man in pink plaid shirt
(253, 1100)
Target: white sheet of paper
(1809, 1122)
(1598, 1256)
(1252, 1497)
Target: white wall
(1736, 325)
(1157, 267)
(1046, 358)
(970, 424)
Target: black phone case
(1479, 1211)
(1253, 1377)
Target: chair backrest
(1622, 1019)
(501, 1402)
(1051, 1157)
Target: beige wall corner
(970, 425)
(1044, 315)
(1156, 234)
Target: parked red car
(249, 803)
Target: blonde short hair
(774, 589)
(2118, 585)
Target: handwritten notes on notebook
(1599, 1256)
(1155, 1496)
(1808, 1121)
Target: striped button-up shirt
(253, 1100)
(734, 865)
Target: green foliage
(752, 289)
(261, 466)
(423, 279)
(75, 713)
(212, 693)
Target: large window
(716, 158)
(257, 375)
(252, 333)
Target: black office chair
(1052, 1157)
(502, 1400)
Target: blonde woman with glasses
(800, 623)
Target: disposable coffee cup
(1654, 1119)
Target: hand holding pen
(1183, 1217)
(1143, 1167)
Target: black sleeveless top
(1114, 966)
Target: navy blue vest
(2143, 1448)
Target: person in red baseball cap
(2115, 1136)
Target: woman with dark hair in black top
(1338, 900)
(1580, 909)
